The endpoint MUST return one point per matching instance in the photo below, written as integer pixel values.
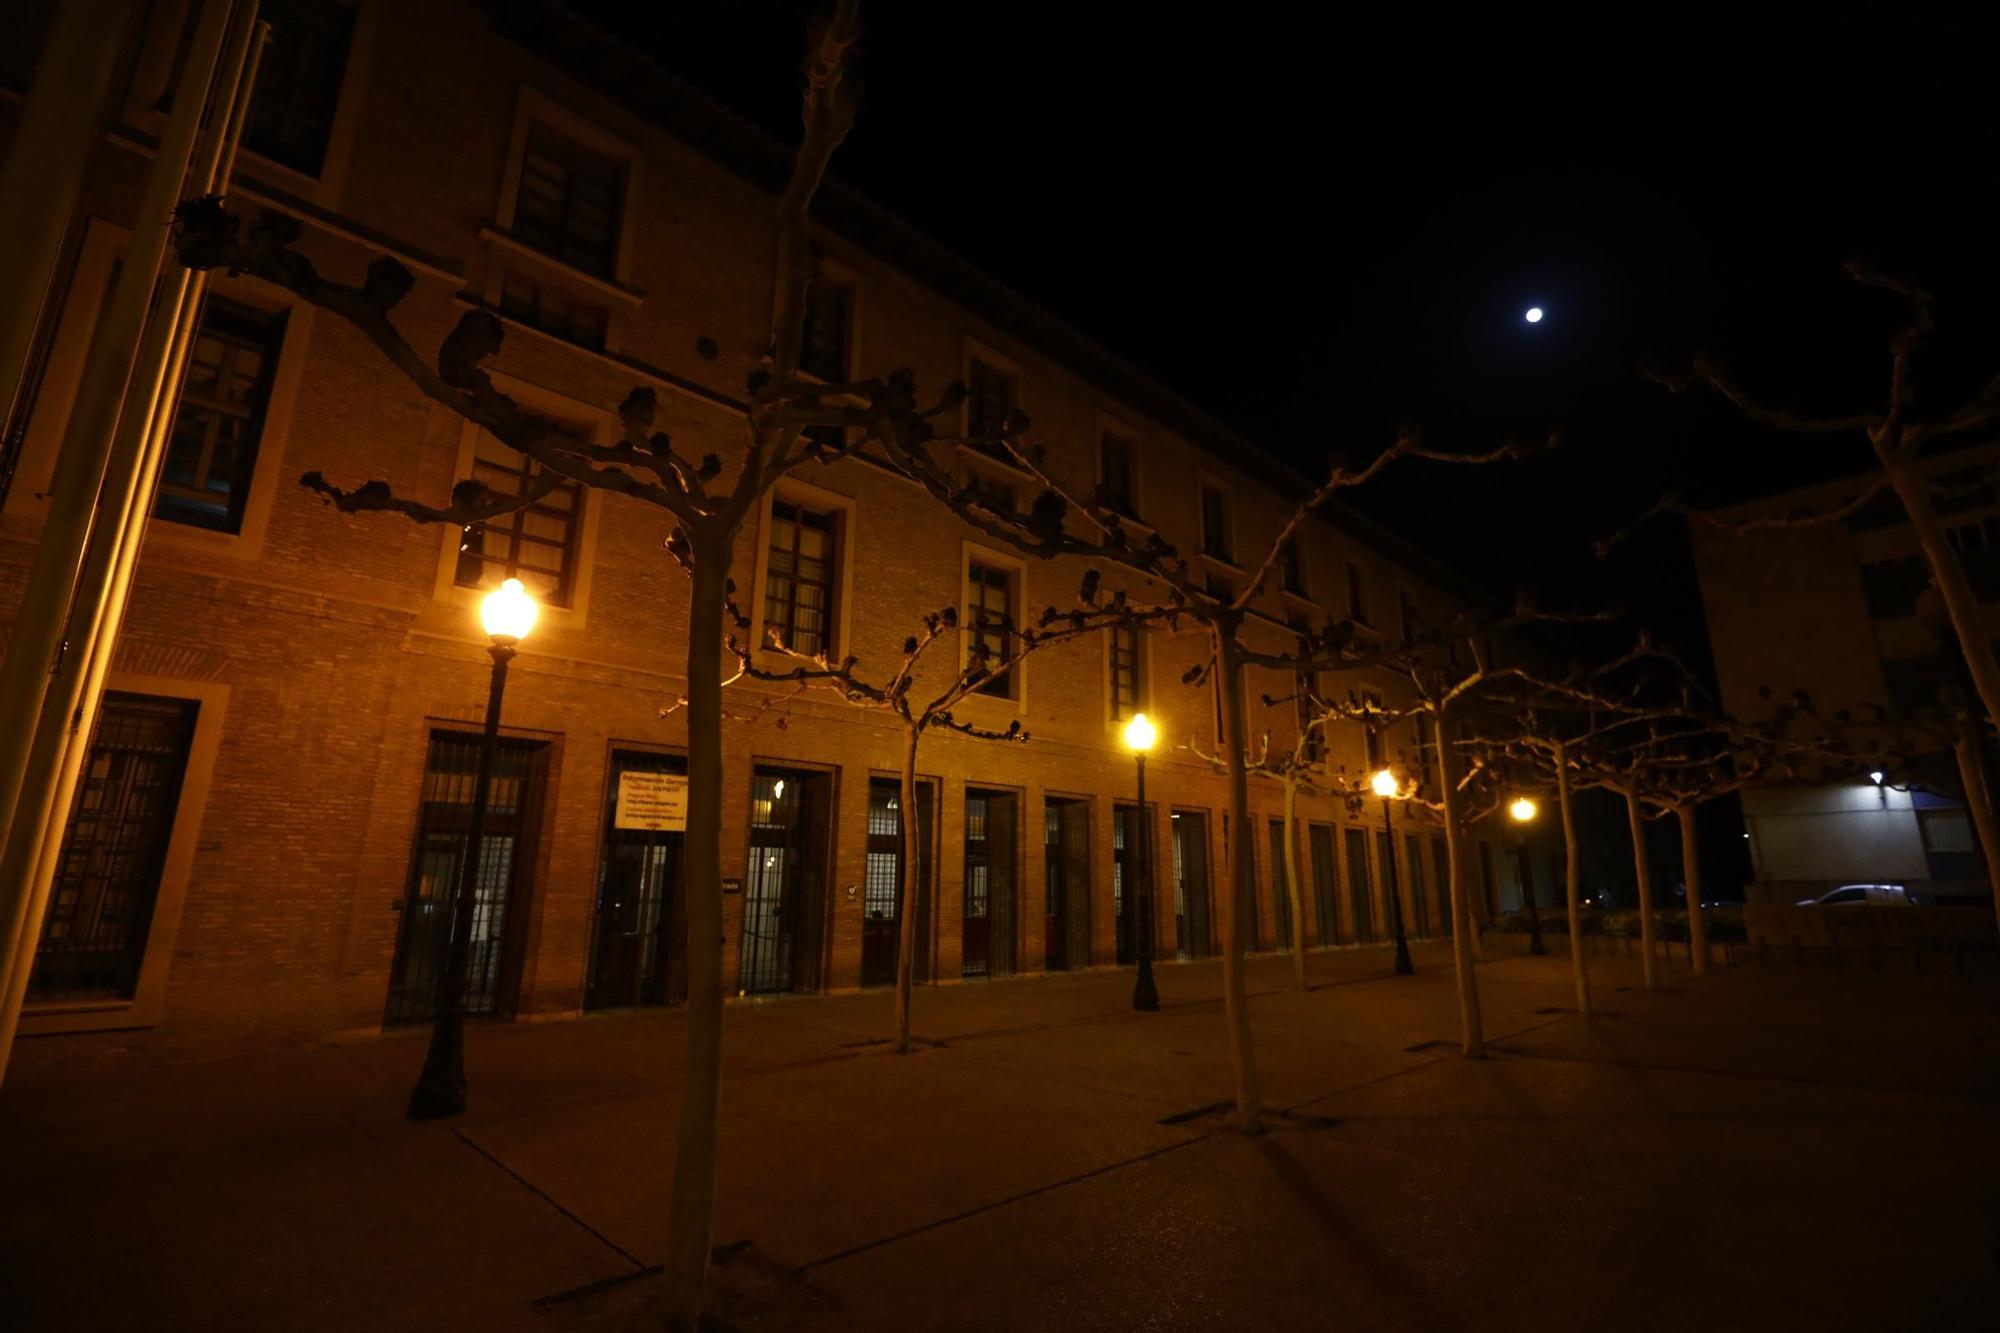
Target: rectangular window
(823, 346)
(989, 401)
(571, 202)
(1115, 462)
(298, 84)
(1215, 522)
(1291, 568)
(1357, 596)
(554, 312)
(1315, 737)
(1406, 610)
(220, 419)
(114, 848)
(799, 582)
(537, 544)
(989, 604)
(1371, 733)
(1125, 668)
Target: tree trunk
(1241, 882)
(1636, 817)
(1473, 1028)
(1293, 892)
(691, 1213)
(1961, 603)
(1971, 754)
(1572, 875)
(1691, 872)
(909, 885)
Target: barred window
(989, 604)
(220, 420)
(823, 347)
(1126, 683)
(1115, 455)
(570, 202)
(799, 582)
(536, 544)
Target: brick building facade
(280, 768)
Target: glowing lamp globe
(1534, 315)
(508, 613)
(1139, 734)
(1385, 784)
(1522, 810)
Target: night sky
(1316, 230)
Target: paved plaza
(1775, 1147)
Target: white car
(1862, 895)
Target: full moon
(1534, 314)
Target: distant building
(1832, 609)
(278, 786)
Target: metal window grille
(220, 417)
(1360, 888)
(798, 579)
(570, 202)
(505, 856)
(536, 544)
(114, 845)
(638, 950)
(1281, 887)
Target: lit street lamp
(508, 615)
(1139, 738)
(1385, 785)
(1523, 812)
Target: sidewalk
(1771, 1147)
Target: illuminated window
(798, 584)
(536, 544)
(989, 619)
(220, 420)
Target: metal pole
(440, 1089)
(1535, 945)
(69, 711)
(93, 490)
(45, 163)
(1144, 995)
(1404, 967)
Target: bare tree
(894, 697)
(708, 501)
(1898, 436)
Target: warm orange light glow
(1139, 734)
(1385, 784)
(508, 613)
(1522, 810)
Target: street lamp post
(1523, 812)
(1386, 786)
(508, 615)
(1139, 738)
